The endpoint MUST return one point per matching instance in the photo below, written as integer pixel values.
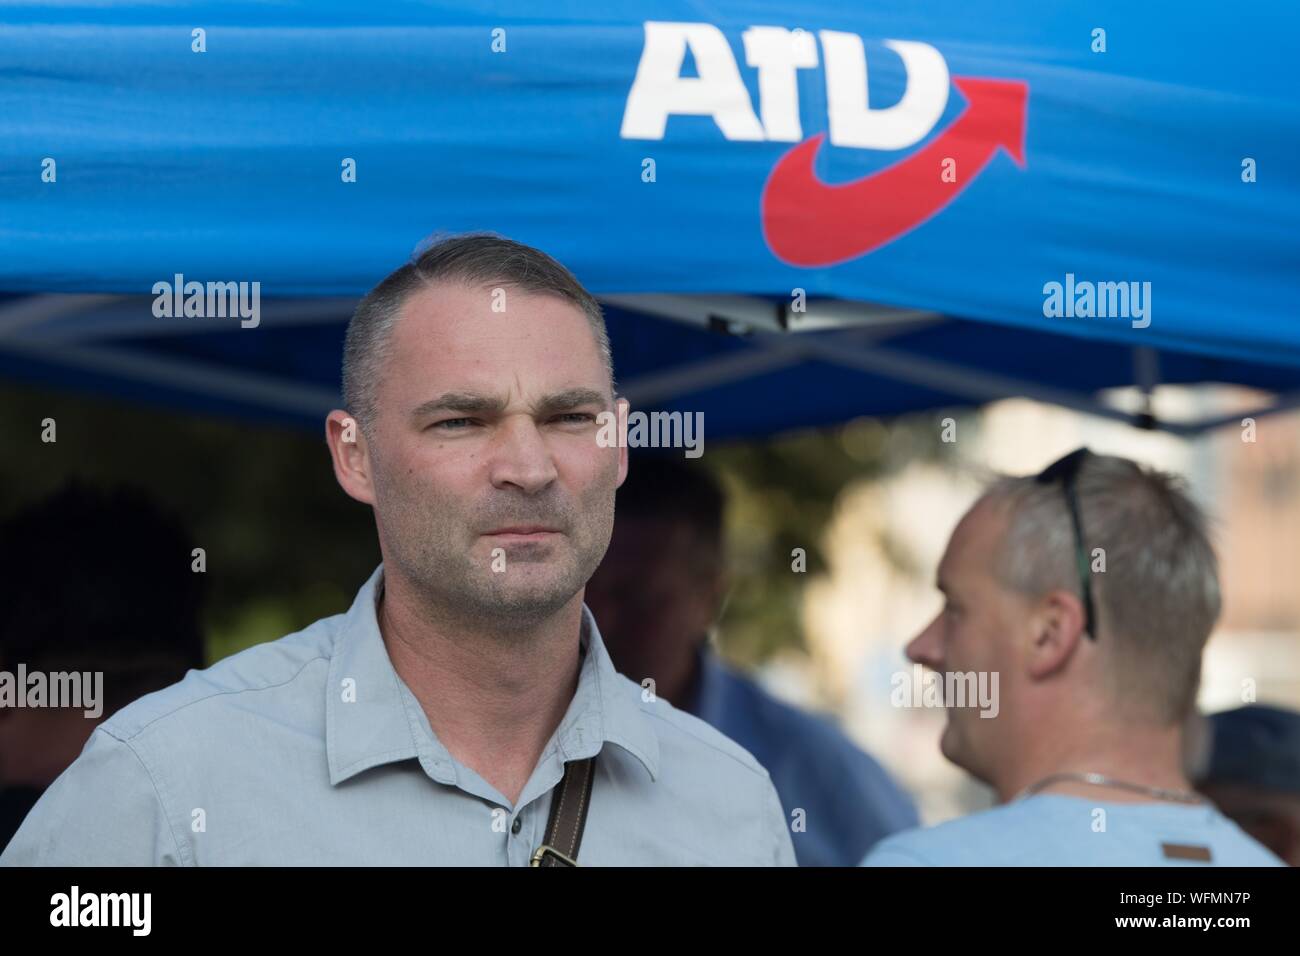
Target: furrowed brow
(465, 403)
(570, 399)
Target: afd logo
(807, 221)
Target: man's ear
(1056, 630)
(350, 455)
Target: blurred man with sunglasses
(1090, 589)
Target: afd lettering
(660, 90)
(807, 221)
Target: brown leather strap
(569, 804)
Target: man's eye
(580, 418)
(453, 424)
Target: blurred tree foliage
(285, 546)
(782, 496)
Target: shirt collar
(372, 718)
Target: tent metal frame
(30, 327)
(858, 346)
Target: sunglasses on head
(1066, 471)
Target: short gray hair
(1157, 601)
(478, 258)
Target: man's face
(490, 489)
(974, 632)
(650, 599)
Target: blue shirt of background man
(848, 799)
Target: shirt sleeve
(889, 853)
(104, 810)
(783, 846)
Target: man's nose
(520, 456)
(926, 648)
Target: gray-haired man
(1090, 590)
(464, 711)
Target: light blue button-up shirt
(310, 750)
(1052, 829)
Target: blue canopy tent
(795, 213)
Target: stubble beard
(463, 579)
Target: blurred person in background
(658, 594)
(1090, 591)
(93, 581)
(1247, 761)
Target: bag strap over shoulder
(569, 805)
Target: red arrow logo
(811, 223)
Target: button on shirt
(310, 750)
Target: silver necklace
(1101, 780)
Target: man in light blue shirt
(1061, 830)
(1082, 599)
(658, 592)
(432, 722)
(312, 751)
